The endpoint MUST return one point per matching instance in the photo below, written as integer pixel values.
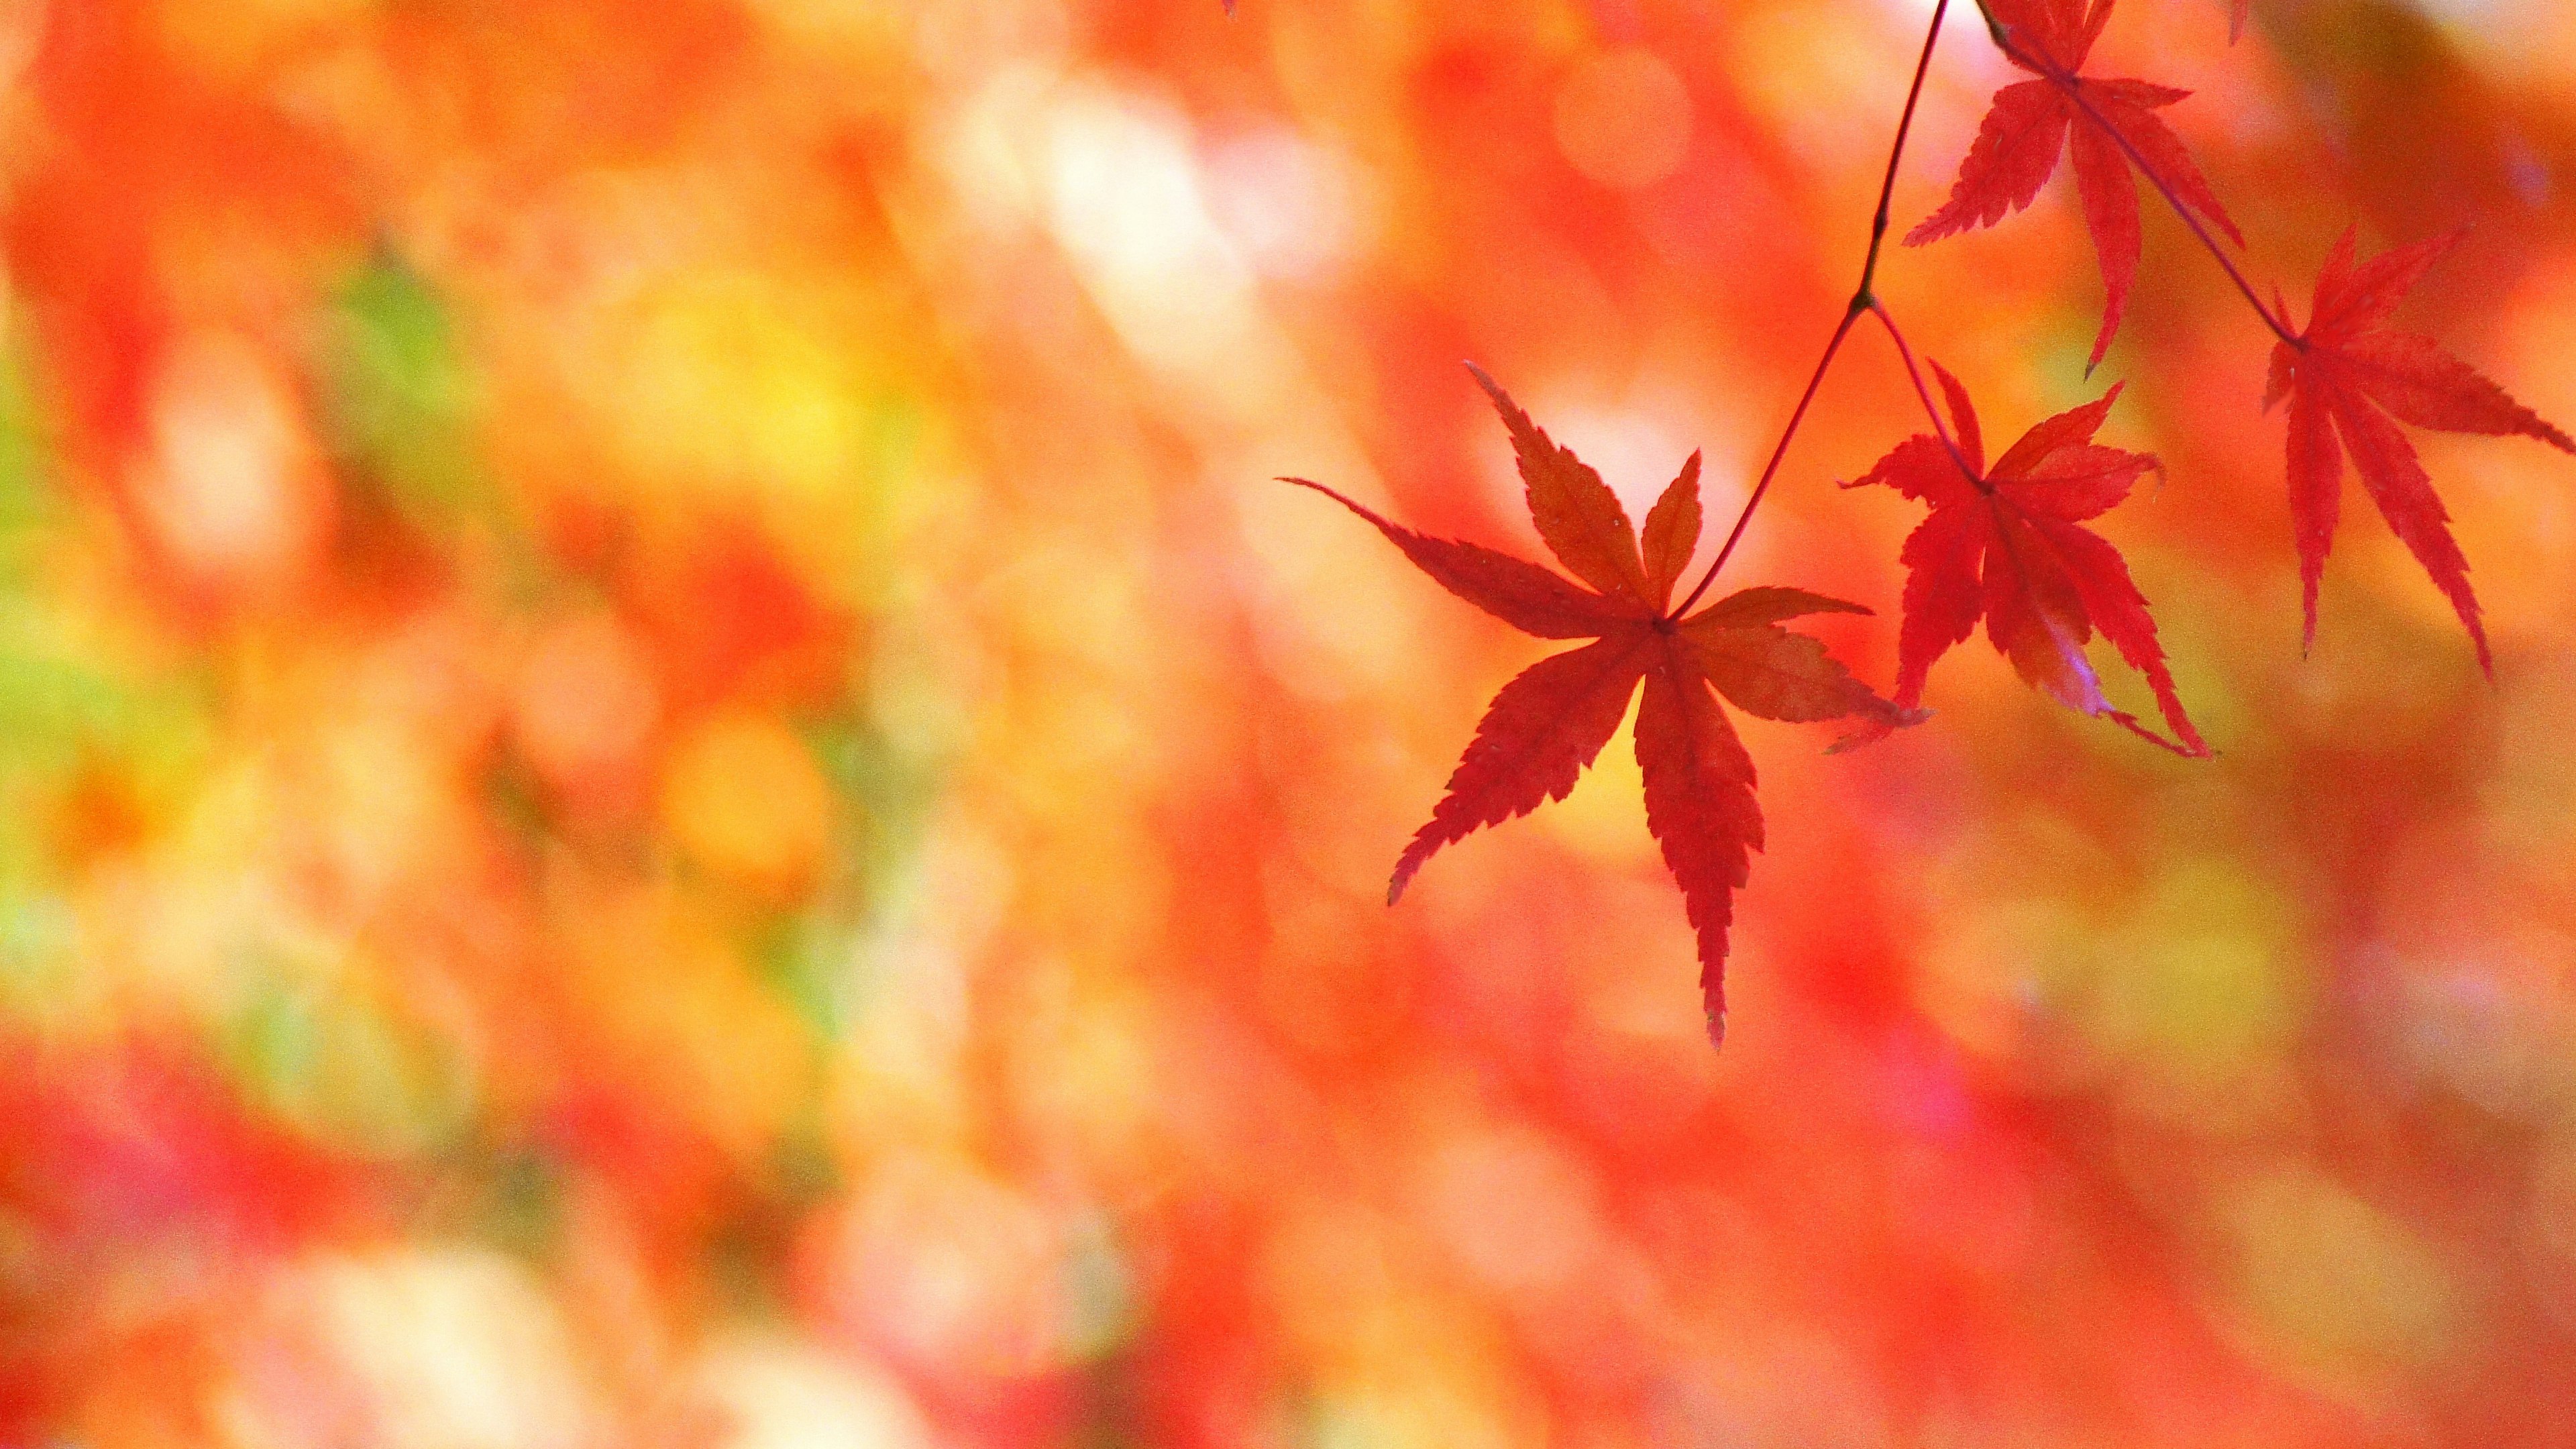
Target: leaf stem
(1772, 468)
(1863, 300)
(1915, 375)
(2072, 88)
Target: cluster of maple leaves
(2004, 543)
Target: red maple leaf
(2345, 374)
(2006, 544)
(2025, 131)
(1545, 726)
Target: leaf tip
(1337, 496)
(1403, 877)
(1419, 849)
(2192, 746)
(2102, 343)
(1515, 421)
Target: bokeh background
(668, 775)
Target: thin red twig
(1915, 375)
(1772, 468)
(1862, 301)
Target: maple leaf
(2027, 128)
(1545, 726)
(2006, 544)
(2345, 374)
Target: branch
(1915, 375)
(1862, 301)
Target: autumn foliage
(1544, 727)
(671, 773)
(2113, 126)
(2004, 545)
(2347, 375)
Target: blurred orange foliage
(668, 775)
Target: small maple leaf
(2006, 544)
(2025, 131)
(1545, 726)
(2346, 374)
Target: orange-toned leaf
(1766, 670)
(1768, 605)
(1672, 533)
(1578, 517)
